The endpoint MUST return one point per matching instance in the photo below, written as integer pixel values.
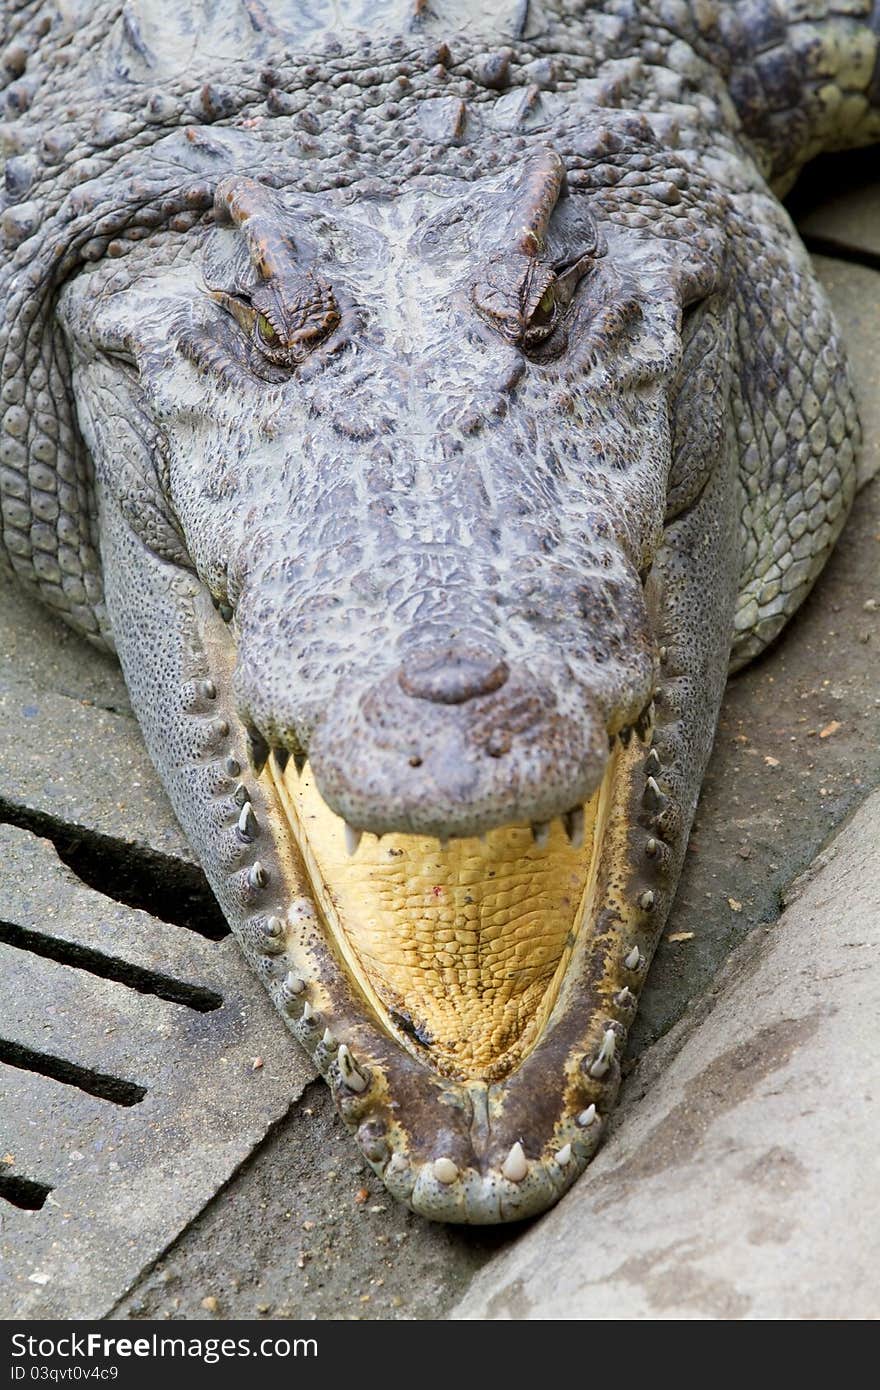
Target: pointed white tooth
(605, 1055)
(541, 833)
(445, 1170)
(564, 1155)
(352, 839)
(294, 984)
(247, 822)
(308, 1012)
(328, 1039)
(515, 1165)
(587, 1117)
(574, 826)
(350, 1071)
(632, 960)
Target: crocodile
(430, 402)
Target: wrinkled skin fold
(428, 503)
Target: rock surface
(740, 1181)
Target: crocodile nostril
(451, 675)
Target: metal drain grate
(128, 1093)
(128, 1024)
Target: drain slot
(94, 1083)
(841, 250)
(23, 1192)
(109, 968)
(156, 883)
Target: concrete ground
(278, 1217)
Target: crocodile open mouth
(468, 1002)
(459, 950)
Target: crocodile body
(430, 403)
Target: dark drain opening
(165, 887)
(110, 968)
(841, 250)
(23, 1192)
(94, 1083)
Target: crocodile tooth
(653, 797)
(625, 999)
(352, 839)
(541, 833)
(633, 960)
(247, 822)
(308, 1012)
(605, 1055)
(207, 690)
(652, 762)
(646, 901)
(257, 876)
(564, 1155)
(328, 1039)
(294, 984)
(587, 1117)
(645, 722)
(350, 1071)
(445, 1170)
(574, 826)
(241, 795)
(651, 847)
(258, 750)
(515, 1165)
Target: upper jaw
(387, 762)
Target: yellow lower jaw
(460, 951)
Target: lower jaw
(480, 1142)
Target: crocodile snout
(454, 742)
(452, 674)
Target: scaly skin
(421, 417)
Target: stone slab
(124, 1179)
(740, 1180)
(70, 748)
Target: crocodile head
(417, 522)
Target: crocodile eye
(266, 331)
(546, 310)
(543, 319)
(308, 318)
